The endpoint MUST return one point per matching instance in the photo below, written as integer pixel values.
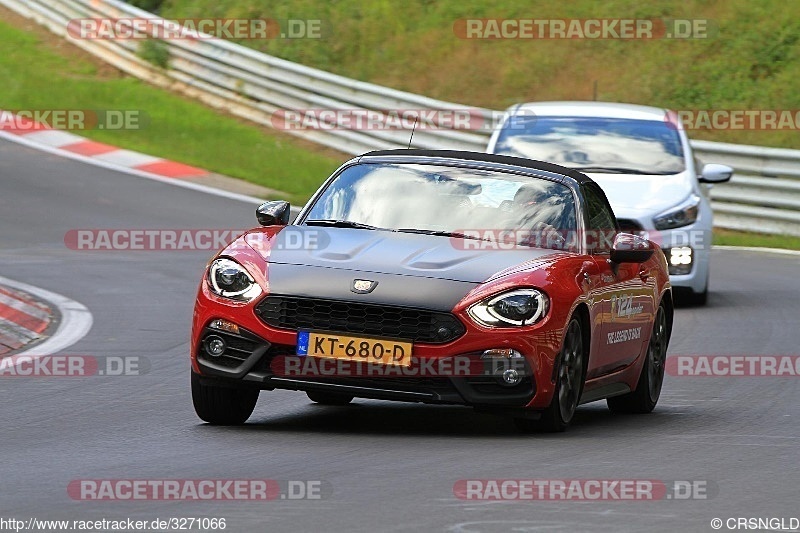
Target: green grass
(37, 76)
(741, 238)
(752, 63)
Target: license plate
(363, 349)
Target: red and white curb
(71, 146)
(69, 142)
(24, 319)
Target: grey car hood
(411, 270)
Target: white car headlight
(518, 307)
(682, 215)
(229, 279)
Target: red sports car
(440, 277)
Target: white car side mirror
(714, 173)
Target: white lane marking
(127, 158)
(54, 137)
(76, 319)
(782, 251)
(19, 139)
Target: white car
(642, 159)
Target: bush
(153, 6)
(155, 51)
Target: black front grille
(417, 325)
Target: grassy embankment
(40, 72)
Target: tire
(648, 389)
(699, 299)
(570, 379)
(222, 406)
(329, 398)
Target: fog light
(224, 325)
(506, 365)
(214, 345)
(501, 353)
(680, 260)
(511, 376)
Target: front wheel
(222, 406)
(699, 299)
(569, 385)
(648, 389)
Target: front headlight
(683, 215)
(229, 279)
(519, 307)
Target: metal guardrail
(763, 196)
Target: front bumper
(257, 362)
(250, 360)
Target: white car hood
(632, 195)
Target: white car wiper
(341, 224)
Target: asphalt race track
(389, 467)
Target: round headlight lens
(516, 307)
(520, 307)
(229, 279)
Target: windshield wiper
(612, 170)
(440, 233)
(341, 224)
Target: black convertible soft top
(492, 158)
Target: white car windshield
(590, 144)
(446, 200)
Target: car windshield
(449, 201)
(610, 145)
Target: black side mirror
(629, 248)
(274, 213)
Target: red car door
(619, 290)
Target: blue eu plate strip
(302, 342)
